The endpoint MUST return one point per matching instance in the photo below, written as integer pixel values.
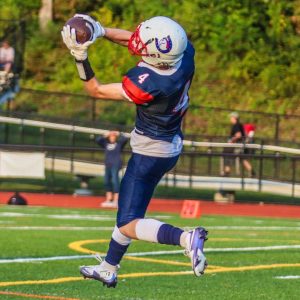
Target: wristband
(84, 69)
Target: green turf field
(37, 232)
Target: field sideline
(163, 205)
(42, 248)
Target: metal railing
(74, 129)
(194, 169)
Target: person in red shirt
(238, 135)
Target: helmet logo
(164, 45)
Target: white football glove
(99, 30)
(79, 51)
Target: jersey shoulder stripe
(135, 93)
(139, 86)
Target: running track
(163, 205)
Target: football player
(158, 86)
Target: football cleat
(97, 272)
(194, 250)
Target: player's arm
(95, 89)
(118, 36)
(113, 91)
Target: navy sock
(169, 235)
(115, 252)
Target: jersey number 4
(143, 77)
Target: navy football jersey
(161, 96)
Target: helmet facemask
(135, 45)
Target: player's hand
(99, 30)
(79, 51)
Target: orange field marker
(190, 209)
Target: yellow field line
(158, 261)
(78, 246)
(219, 270)
(251, 268)
(150, 274)
(35, 296)
(164, 261)
(46, 281)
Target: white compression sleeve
(120, 238)
(147, 229)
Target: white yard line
(63, 217)
(87, 228)
(98, 217)
(37, 259)
(264, 248)
(288, 277)
(69, 228)
(272, 228)
(152, 253)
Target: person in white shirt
(7, 56)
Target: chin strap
(84, 69)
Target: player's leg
(137, 186)
(143, 176)
(135, 194)
(154, 231)
(106, 271)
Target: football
(83, 29)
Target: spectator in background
(237, 135)
(7, 56)
(249, 132)
(113, 143)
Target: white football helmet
(160, 41)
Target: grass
(25, 232)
